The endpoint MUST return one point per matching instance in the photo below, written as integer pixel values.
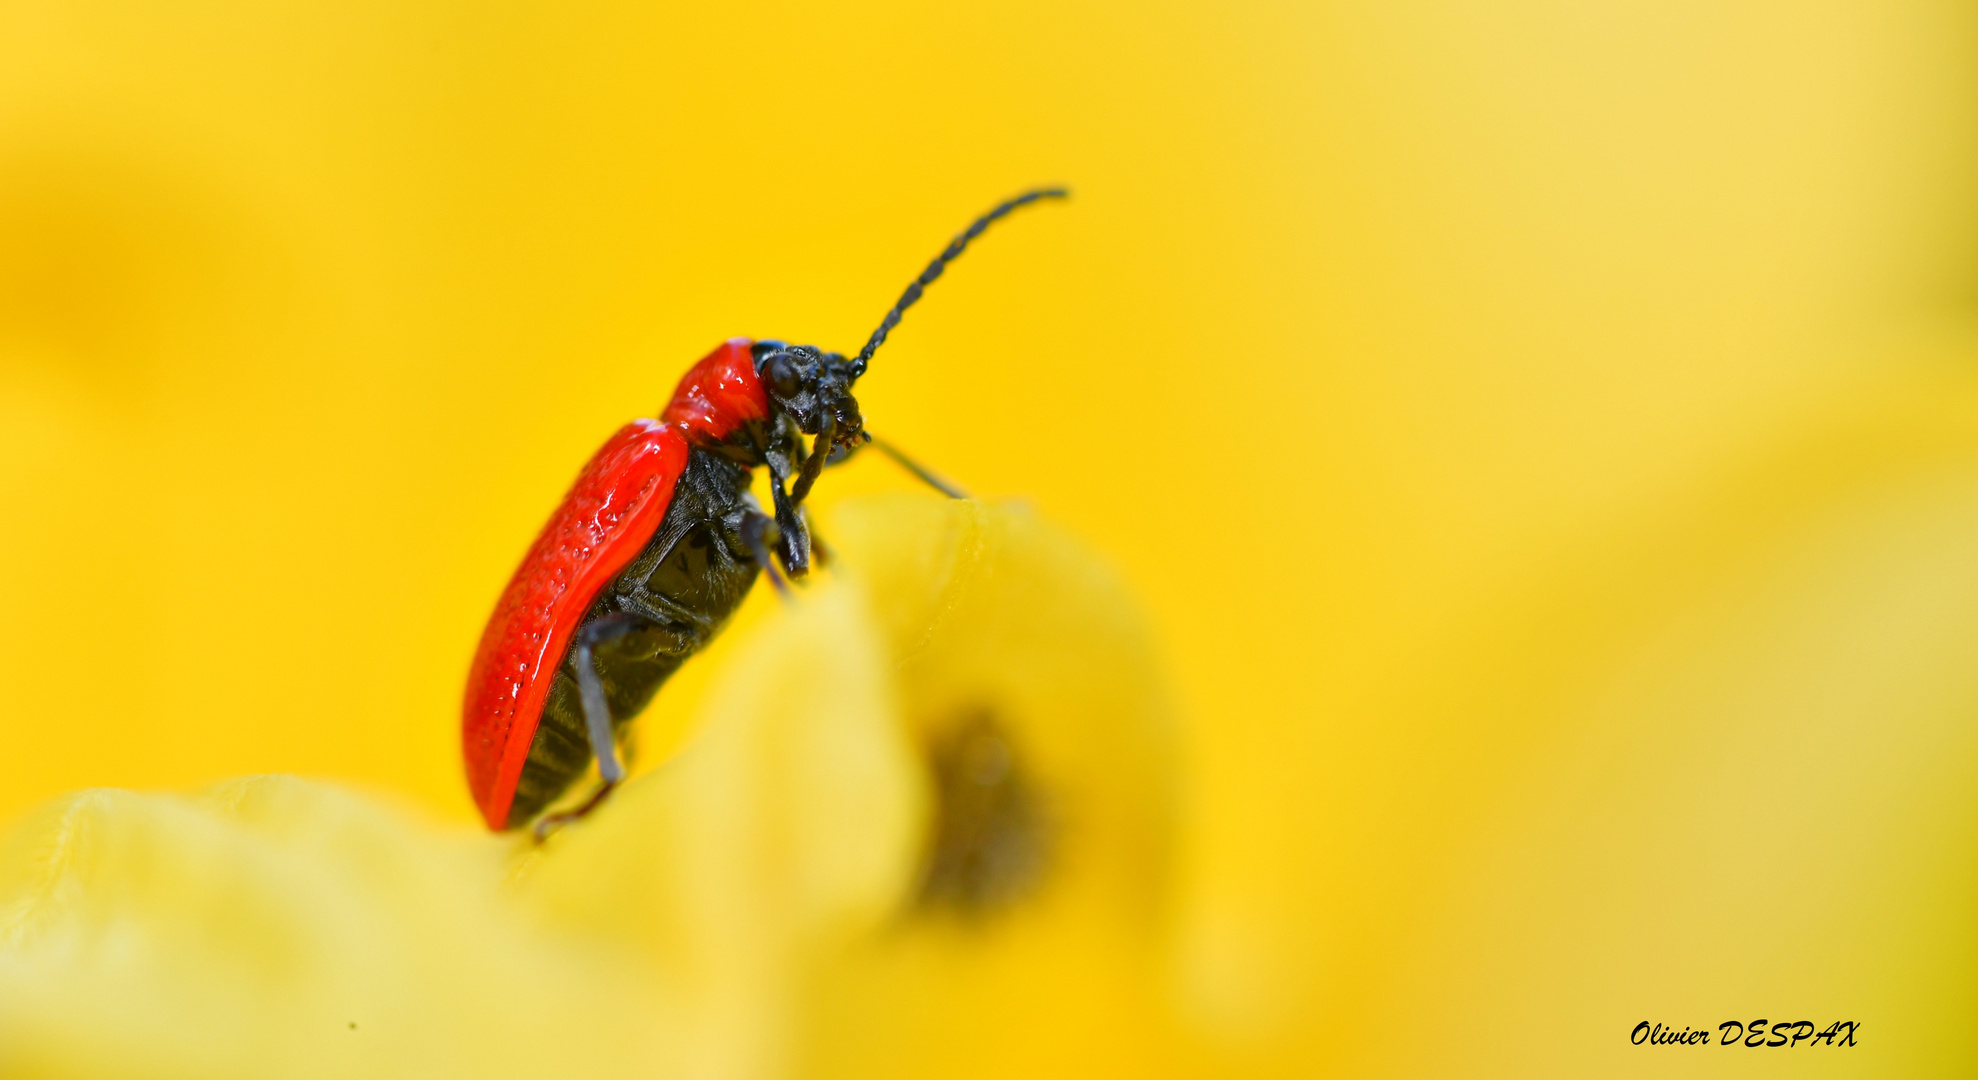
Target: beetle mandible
(655, 545)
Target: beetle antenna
(933, 272)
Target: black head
(810, 385)
(813, 388)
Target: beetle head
(808, 385)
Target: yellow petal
(787, 825)
(1008, 636)
(273, 927)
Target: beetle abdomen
(685, 584)
(609, 517)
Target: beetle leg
(819, 550)
(820, 454)
(918, 469)
(755, 526)
(597, 714)
(795, 540)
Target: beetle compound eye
(781, 374)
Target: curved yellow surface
(1543, 437)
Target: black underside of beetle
(681, 589)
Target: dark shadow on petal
(991, 841)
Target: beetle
(654, 547)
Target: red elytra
(608, 517)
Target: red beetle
(651, 551)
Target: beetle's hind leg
(597, 715)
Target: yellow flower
(1028, 943)
(272, 927)
(1543, 435)
(928, 811)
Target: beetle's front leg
(794, 541)
(820, 456)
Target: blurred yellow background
(1545, 435)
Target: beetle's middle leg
(757, 530)
(819, 550)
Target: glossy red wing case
(608, 517)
